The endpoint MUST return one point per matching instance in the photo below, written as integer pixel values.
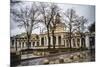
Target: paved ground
(59, 58)
(28, 56)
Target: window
(67, 43)
(37, 43)
(74, 42)
(83, 42)
(19, 44)
(42, 41)
(33, 43)
(59, 40)
(64, 42)
(78, 41)
(22, 44)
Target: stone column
(57, 40)
(44, 40)
(62, 43)
(76, 46)
(80, 43)
(87, 41)
(51, 40)
(35, 43)
(47, 41)
(72, 42)
(14, 45)
(17, 44)
(66, 42)
(40, 41)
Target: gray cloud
(88, 11)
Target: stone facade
(41, 41)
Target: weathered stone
(57, 62)
(61, 59)
(67, 60)
(51, 62)
(71, 57)
(46, 61)
(75, 58)
(42, 53)
(81, 56)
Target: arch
(78, 42)
(42, 41)
(33, 43)
(83, 42)
(74, 45)
(59, 40)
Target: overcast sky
(88, 11)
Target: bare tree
(47, 11)
(91, 28)
(27, 18)
(80, 25)
(70, 19)
(55, 21)
(55, 9)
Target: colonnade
(76, 42)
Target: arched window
(22, 44)
(64, 42)
(45, 40)
(19, 44)
(59, 40)
(42, 41)
(78, 41)
(37, 43)
(33, 43)
(74, 43)
(83, 42)
(67, 43)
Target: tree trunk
(28, 43)
(70, 41)
(53, 39)
(16, 45)
(81, 40)
(48, 36)
(70, 36)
